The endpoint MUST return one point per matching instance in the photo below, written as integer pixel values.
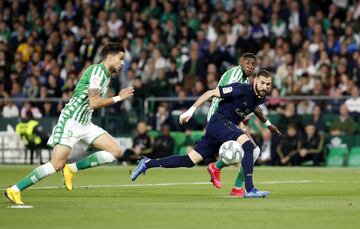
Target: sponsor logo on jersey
(227, 90)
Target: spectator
(267, 149)
(29, 107)
(343, 124)
(353, 103)
(288, 146)
(313, 50)
(193, 70)
(317, 120)
(311, 146)
(289, 117)
(163, 145)
(274, 103)
(161, 117)
(17, 94)
(140, 94)
(114, 25)
(142, 145)
(10, 110)
(160, 87)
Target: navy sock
(248, 164)
(171, 162)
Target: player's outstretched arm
(185, 117)
(96, 101)
(274, 130)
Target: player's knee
(194, 157)
(242, 139)
(58, 164)
(117, 152)
(256, 153)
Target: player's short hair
(263, 73)
(248, 55)
(111, 48)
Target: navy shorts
(218, 131)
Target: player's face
(262, 85)
(248, 65)
(116, 62)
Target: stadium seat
(338, 151)
(182, 151)
(354, 157)
(356, 140)
(335, 160)
(196, 136)
(179, 138)
(355, 150)
(336, 157)
(154, 134)
(354, 160)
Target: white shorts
(71, 132)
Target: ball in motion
(231, 152)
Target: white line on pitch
(188, 183)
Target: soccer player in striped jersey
(75, 124)
(237, 74)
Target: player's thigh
(65, 133)
(107, 143)
(222, 130)
(59, 156)
(207, 147)
(100, 139)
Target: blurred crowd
(176, 48)
(179, 49)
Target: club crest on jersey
(227, 90)
(95, 80)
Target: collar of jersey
(105, 70)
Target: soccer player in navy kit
(239, 100)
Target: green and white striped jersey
(78, 108)
(233, 75)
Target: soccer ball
(231, 152)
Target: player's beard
(261, 93)
(114, 70)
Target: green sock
(240, 178)
(219, 164)
(95, 159)
(36, 175)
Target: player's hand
(274, 130)
(185, 117)
(285, 160)
(126, 93)
(303, 152)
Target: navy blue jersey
(239, 100)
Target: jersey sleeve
(96, 77)
(232, 90)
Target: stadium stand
(179, 49)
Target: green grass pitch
(105, 198)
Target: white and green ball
(231, 152)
